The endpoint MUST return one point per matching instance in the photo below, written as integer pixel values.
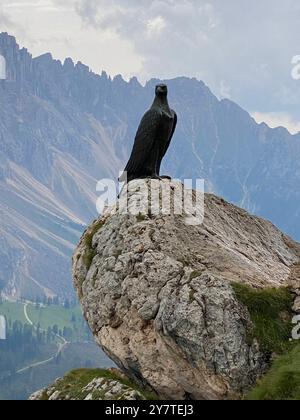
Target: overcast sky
(242, 49)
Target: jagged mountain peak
(5, 38)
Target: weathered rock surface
(158, 295)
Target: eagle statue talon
(152, 140)
(147, 177)
(156, 177)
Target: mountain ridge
(63, 127)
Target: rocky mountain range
(63, 127)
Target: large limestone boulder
(157, 293)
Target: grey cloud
(163, 32)
(244, 45)
(132, 18)
(5, 20)
(8, 23)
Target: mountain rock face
(158, 292)
(62, 128)
(47, 193)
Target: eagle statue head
(161, 90)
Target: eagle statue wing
(172, 133)
(144, 142)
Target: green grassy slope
(271, 315)
(54, 315)
(13, 311)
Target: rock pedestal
(157, 293)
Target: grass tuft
(90, 252)
(73, 383)
(271, 314)
(282, 382)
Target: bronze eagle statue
(152, 140)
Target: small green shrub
(141, 217)
(90, 252)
